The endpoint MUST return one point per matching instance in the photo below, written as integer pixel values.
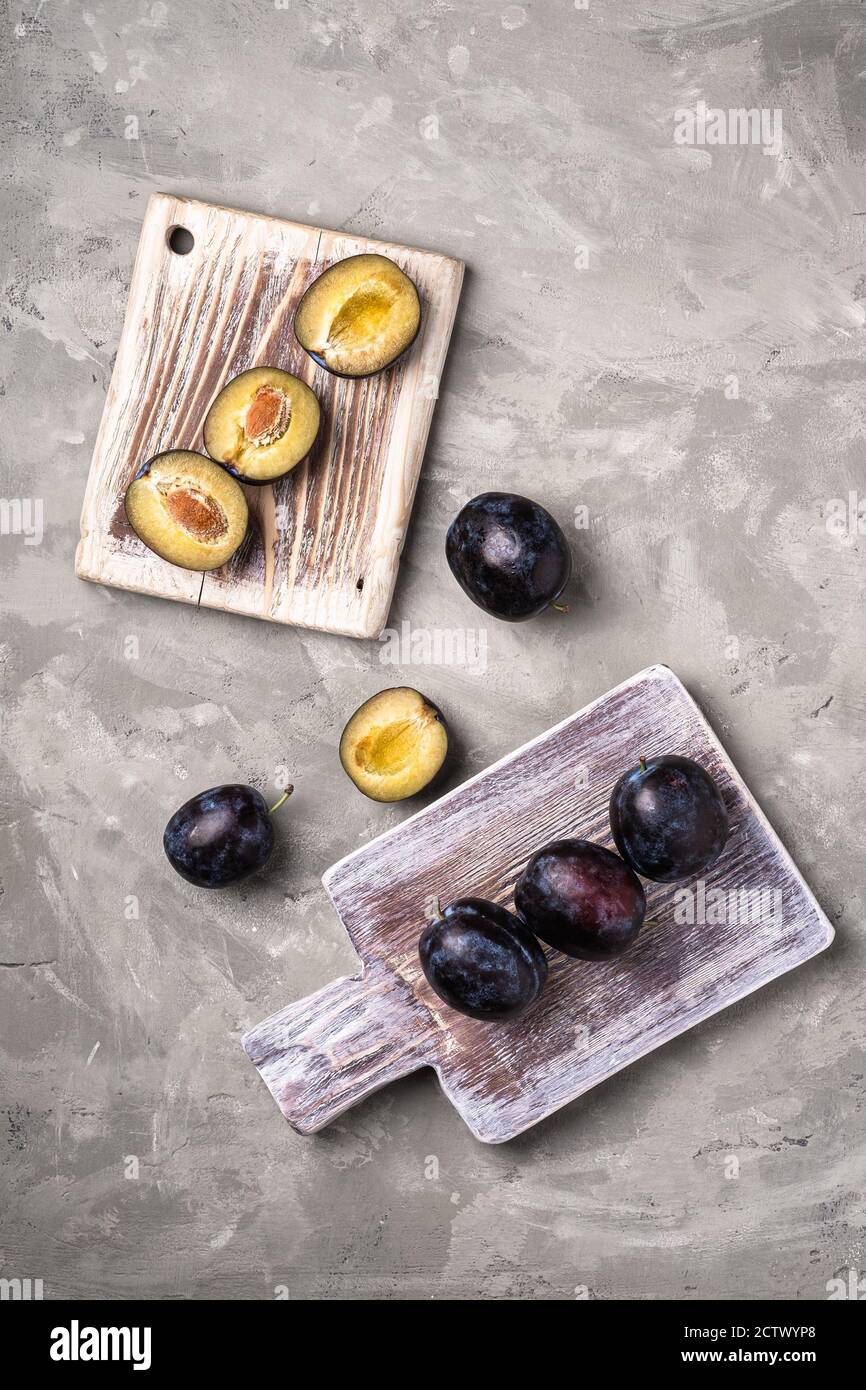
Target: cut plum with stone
(359, 316)
(187, 510)
(262, 424)
(221, 836)
(668, 818)
(581, 898)
(509, 555)
(481, 960)
(394, 744)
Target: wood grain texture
(324, 544)
(323, 1054)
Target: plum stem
(642, 762)
(560, 607)
(436, 908)
(285, 796)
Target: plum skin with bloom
(581, 898)
(482, 961)
(509, 555)
(668, 818)
(220, 836)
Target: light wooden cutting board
(324, 1053)
(324, 545)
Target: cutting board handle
(325, 1053)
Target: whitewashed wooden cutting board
(326, 1052)
(324, 543)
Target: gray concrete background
(671, 336)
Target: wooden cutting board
(325, 1053)
(324, 544)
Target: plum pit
(200, 515)
(268, 416)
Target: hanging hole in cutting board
(180, 240)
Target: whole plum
(482, 961)
(581, 898)
(668, 818)
(509, 555)
(221, 835)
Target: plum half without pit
(359, 316)
(394, 744)
(187, 510)
(509, 555)
(262, 424)
(482, 961)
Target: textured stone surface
(668, 335)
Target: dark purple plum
(668, 818)
(509, 555)
(220, 836)
(581, 898)
(482, 961)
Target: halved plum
(394, 744)
(262, 424)
(358, 316)
(187, 510)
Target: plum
(482, 961)
(187, 510)
(509, 555)
(581, 898)
(262, 424)
(359, 316)
(394, 744)
(221, 836)
(668, 818)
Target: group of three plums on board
(669, 822)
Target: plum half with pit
(394, 744)
(668, 818)
(482, 961)
(187, 510)
(581, 898)
(509, 555)
(222, 835)
(359, 316)
(262, 424)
